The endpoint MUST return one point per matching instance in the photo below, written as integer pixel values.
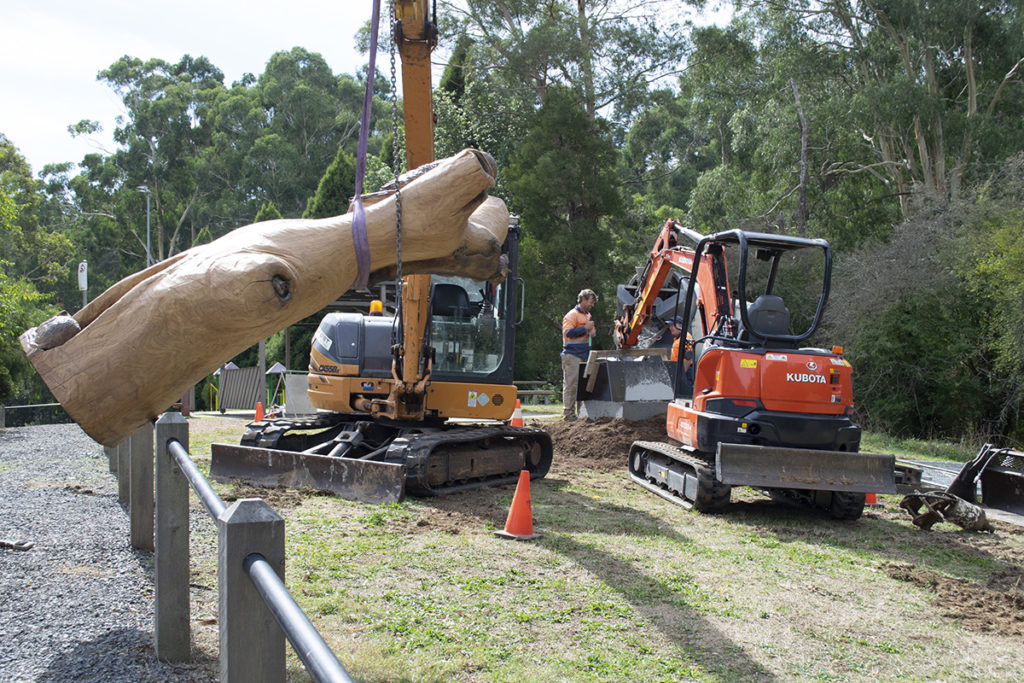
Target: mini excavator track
(376, 461)
(683, 478)
(690, 479)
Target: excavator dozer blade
(362, 480)
(801, 468)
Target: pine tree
(337, 186)
(267, 212)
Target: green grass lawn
(624, 586)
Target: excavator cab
(471, 329)
(469, 340)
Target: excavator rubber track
(691, 479)
(361, 459)
(680, 477)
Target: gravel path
(79, 604)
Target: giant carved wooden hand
(140, 345)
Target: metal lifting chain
(395, 160)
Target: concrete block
(251, 641)
(172, 627)
(140, 494)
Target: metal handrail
(321, 663)
(34, 405)
(211, 501)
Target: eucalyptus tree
(774, 137)
(162, 139)
(937, 84)
(32, 260)
(547, 88)
(608, 51)
(30, 248)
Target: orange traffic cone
(870, 499)
(519, 525)
(259, 411)
(517, 415)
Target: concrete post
(123, 470)
(111, 452)
(251, 641)
(172, 627)
(140, 508)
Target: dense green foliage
(893, 130)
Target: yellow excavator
(414, 402)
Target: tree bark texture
(801, 215)
(142, 343)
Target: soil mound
(605, 441)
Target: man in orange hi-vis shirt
(577, 329)
(675, 327)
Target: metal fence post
(172, 628)
(251, 641)
(123, 468)
(140, 492)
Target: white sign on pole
(83, 276)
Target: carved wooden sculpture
(141, 344)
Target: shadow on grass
(885, 534)
(657, 603)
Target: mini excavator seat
(450, 300)
(768, 317)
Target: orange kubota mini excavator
(750, 405)
(385, 387)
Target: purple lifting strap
(359, 239)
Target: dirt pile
(997, 607)
(604, 441)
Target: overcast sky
(51, 51)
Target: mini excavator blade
(349, 478)
(802, 468)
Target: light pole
(145, 190)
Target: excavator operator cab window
(467, 330)
(449, 300)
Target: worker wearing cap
(577, 330)
(675, 327)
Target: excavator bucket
(633, 384)
(349, 478)
(1000, 471)
(801, 468)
